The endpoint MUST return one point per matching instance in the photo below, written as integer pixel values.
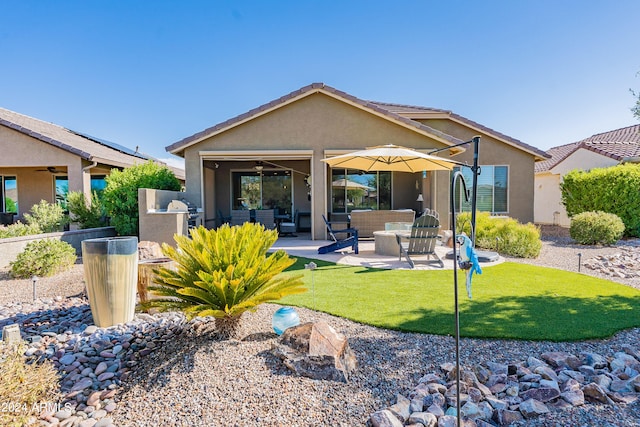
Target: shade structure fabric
(391, 157)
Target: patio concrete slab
(303, 246)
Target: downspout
(91, 166)
(86, 169)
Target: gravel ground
(196, 380)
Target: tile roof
(86, 147)
(618, 144)
(392, 111)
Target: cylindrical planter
(111, 276)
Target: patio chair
(266, 218)
(222, 219)
(240, 216)
(350, 240)
(421, 241)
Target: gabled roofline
(301, 93)
(84, 155)
(418, 112)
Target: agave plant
(223, 273)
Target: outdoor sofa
(368, 221)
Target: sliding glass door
(266, 189)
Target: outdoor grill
(185, 206)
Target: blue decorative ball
(284, 318)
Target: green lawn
(510, 300)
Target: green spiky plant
(223, 273)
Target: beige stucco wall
(24, 157)
(317, 122)
(497, 153)
(548, 197)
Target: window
(265, 189)
(353, 189)
(62, 189)
(493, 188)
(98, 184)
(8, 194)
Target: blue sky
(149, 73)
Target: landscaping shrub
(90, 215)
(23, 388)
(590, 228)
(613, 189)
(43, 258)
(504, 235)
(18, 229)
(121, 194)
(48, 217)
(223, 273)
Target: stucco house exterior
(597, 151)
(270, 158)
(41, 160)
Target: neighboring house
(270, 158)
(598, 151)
(42, 161)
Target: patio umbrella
(351, 185)
(390, 157)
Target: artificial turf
(510, 301)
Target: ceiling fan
(51, 169)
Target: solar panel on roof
(113, 145)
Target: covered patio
(303, 246)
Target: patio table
(386, 243)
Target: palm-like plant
(223, 273)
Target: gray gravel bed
(196, 380)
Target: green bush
(121, 194)
(223, 273)
(613, 189)
(504, 235)
(18, 229)
(87, 216)
(48, 217)
(590, 228)
(43, 258)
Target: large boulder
(317, 351)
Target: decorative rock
(105, 376)
(505, 417)
(90, 422)
(574, 397)
(532, 408)
(424, 419)
(110, 407)
(67, 359)
(317, 351)
(94, 398)
(90, 330)
(595, 393)
(401, 408)
(82, 384)
(102, 367)
(594, 360)
(384, 418)
(471, 410)
(447, 421)
(63, 414)
(105, 422)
